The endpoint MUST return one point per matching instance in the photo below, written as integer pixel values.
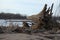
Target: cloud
(25, 6)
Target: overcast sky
(26, 7)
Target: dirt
(21, 36)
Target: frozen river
(14, 22)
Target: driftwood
(42, 17)
(43, 20)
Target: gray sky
(26, 7)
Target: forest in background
(11, 16)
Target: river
(13, 22)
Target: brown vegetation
(44, 19)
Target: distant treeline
(56, 17)
(11, 16)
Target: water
(7, 22)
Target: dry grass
(11, 28)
